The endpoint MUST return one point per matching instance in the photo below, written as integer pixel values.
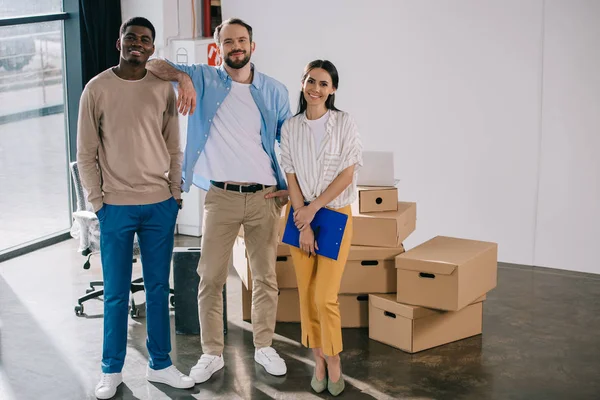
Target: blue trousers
(155, 227)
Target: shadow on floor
(25, 352)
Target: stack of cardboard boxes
(442, 284)
(380, 225)
(415, 300)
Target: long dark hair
(332, 71)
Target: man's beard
(237, 64)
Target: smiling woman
(319, 80)
(321, 151)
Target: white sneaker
(268, 358)
(206, 366)
(107, 387)
(169, 376)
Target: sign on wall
(213, 55)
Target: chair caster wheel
(172, 301)
(86, 265)
(134, 312)
(79, 310)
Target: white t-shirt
(233, 150)
(318, 127)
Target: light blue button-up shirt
(212, 85)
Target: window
(35, 194)
(20, 8)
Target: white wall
(139, 8)
(568, 227)
(453, 88)
(491, 107)
(171, 19)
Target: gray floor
(540, 341)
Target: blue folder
(328, 226)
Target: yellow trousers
(319, 281)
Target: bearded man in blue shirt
(235, 118)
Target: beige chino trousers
(224, 212)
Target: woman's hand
(307, 241)
(304, 216)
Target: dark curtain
(100, 21)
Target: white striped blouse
(316, 168)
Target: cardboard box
(413, 328)
(246, 303)
(370, 270)
(288, 307)
(286, 274)
(283, 250)
(282, 223)
(377, 199)
(354, 309)
(367, 270)
(284, 267)
(240, 261)
(384, 229)
(446, 273)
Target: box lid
(374, 253)
(441, 254)
(403, 207)
(283, 250)
(425, 265)
(373, 188)
(388, 303)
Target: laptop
(377, 169)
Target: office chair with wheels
(86, 228)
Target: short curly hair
(138, 21)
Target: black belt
(240, 188)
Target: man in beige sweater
(129, 158)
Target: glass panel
(34, 196)
(17, 8)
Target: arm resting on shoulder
(165, 71)
(186, 99)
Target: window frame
(73, 86)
